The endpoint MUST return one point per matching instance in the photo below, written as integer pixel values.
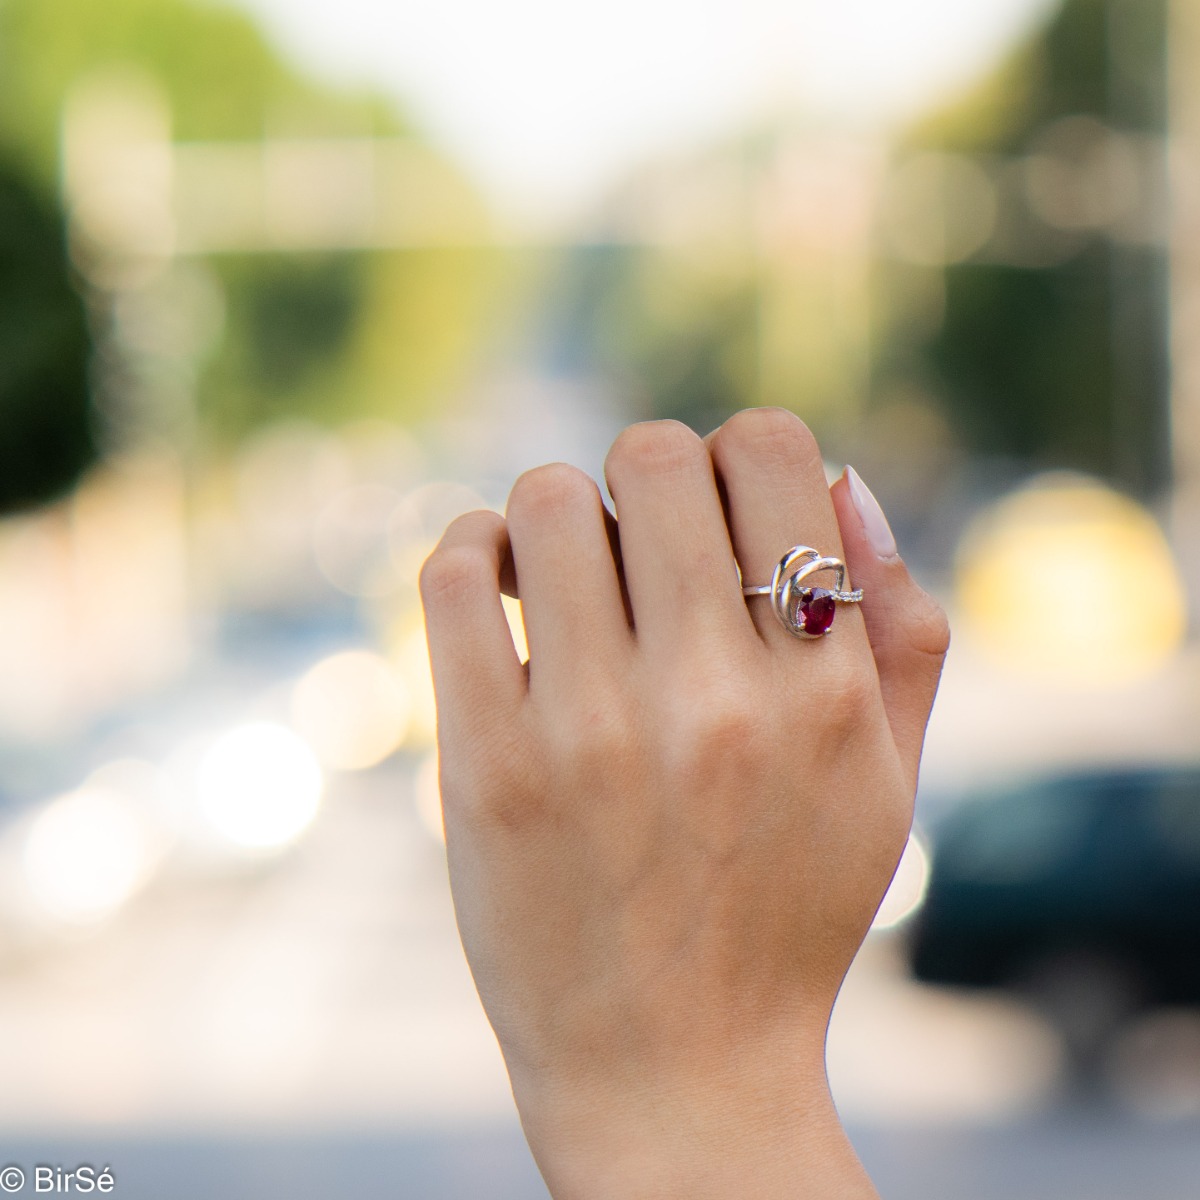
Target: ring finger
(776, 497)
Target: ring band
(805, 612)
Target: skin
(668, 833)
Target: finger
(678, 561)
(477, 676)
(570, 593)
(508, 575)
(907, 628)
(776, 497)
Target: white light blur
(549, 103)
(260, 786)
(353, 710)
(87, 853)
(907, 890)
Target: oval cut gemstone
(816, 610)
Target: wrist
(768, 1129)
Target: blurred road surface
(1063, 1157)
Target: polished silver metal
(786, 593)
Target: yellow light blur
(352, 709)
(260, 786)
(1067, 579)
(412, 659)
(908, 886)
(427, 797)
(86, 854)
(516, 626)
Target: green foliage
(44, 350)
(287, 318)
(341, 335)
(1029, 359)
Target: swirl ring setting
(806, 611)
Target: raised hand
(668, 832)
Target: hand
(669, 832)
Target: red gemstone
(817, 610)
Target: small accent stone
(816, 610)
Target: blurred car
(1081, 892)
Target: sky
(546, 102)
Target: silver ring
(806, 612)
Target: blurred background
(285, 286)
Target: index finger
(477, 676)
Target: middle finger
(678, 560)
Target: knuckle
(655, 447)
(452, 572)
(718, 733)
(854, 697)
(928, 627)
(771, 434)
(496, 783)
(550, 488)
(477, 527)
(595, 737)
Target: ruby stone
(816, 611)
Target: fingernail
(878, 531)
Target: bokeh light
(907, 889)
(87, 853)
(352, 708)
(1067, 579)
(416, 524)
(350, 540)
(938, 208)
(260, 786)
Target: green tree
(45, 413)
(1052, 349)
(334, 335)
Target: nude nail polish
(878, 531)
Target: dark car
(1081, 891)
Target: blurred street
(310, 1030)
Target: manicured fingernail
(878, 531)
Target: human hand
(669, 833)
